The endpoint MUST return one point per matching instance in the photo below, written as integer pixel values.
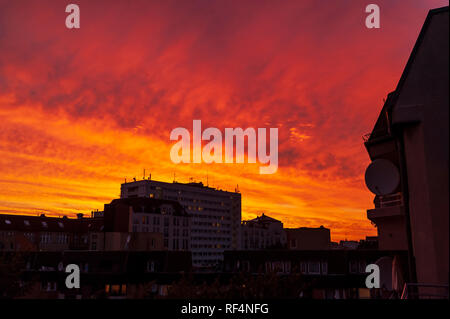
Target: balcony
(390, 200)
(386, 206)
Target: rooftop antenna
(144, 174)
(174, 175)
(207, 179)
(150, 177)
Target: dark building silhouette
(308, 238)
(412, 133)
(112, 274)
(216, 215)
(262, 232)
(144, 215)
(43, 233)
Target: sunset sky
(81, 110)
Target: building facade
(215, 215)
(43, 233)
(148, 221)
(329, 274)
(105, 274)
(412, 134)
(308, 238)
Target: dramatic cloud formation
(82, 109)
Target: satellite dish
(382, 177)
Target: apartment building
(215, 215)
(408, 147)
(145, 221)
(327, 274)
(105, 274)
(125, 241)
(262, 232)
(43, 233)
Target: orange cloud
(83, 109)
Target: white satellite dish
(382, 177)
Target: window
(7, 221)
(362, 266)
(314, 267)
(48, 286)
(175, 244)
(353, 266)
(324, 267)
(61, 225)
(26, 222)
(150, 266)
(44, 224)
(294, 243)
(115, 289)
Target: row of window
(176, 244)
(210, 231)
(201, 238)
(27, 223)
(215, 246)
(156, 220)
(306, 267)
(216, 217)
(217, 225)
(207, 254)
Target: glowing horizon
(84, 109)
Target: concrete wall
(308, 238)
(422, 112)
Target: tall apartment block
(215, 215)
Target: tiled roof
(48, 224)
